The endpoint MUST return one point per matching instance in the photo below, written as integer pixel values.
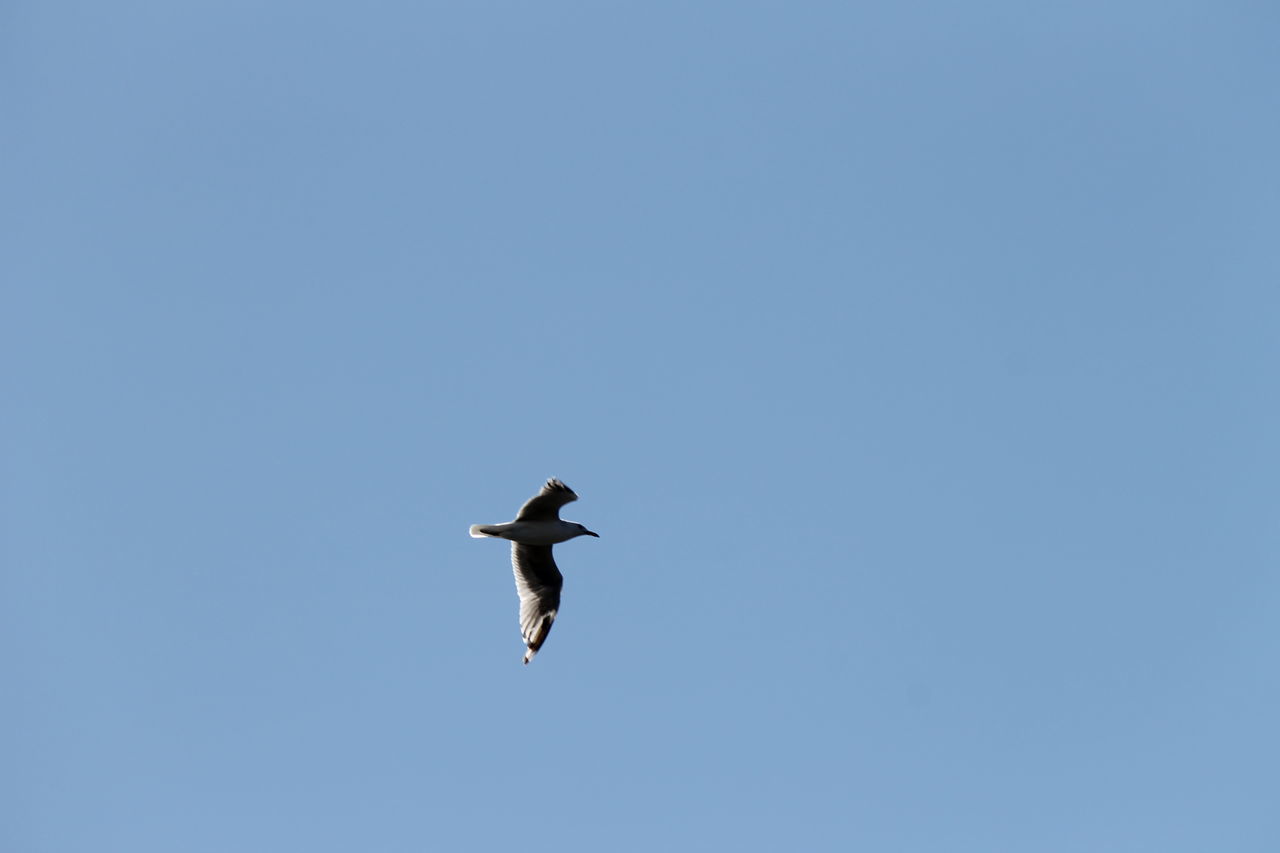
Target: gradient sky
(915, 361)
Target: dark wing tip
(556, 485)
(547, 502)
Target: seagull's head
(583, 531)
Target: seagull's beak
(589, 533)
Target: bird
(537, 527)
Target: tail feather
(481, 531)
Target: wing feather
(545, 505)
(538, 583)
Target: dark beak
(589, 533)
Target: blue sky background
(916, 362)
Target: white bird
(537, 527)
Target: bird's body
(538, 581)
(550, 532)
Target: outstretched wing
(545, 505)
(538, 584)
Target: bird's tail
(480, 531)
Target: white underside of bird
(529, 532)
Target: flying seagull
(537, 527)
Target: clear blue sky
(917, 363)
